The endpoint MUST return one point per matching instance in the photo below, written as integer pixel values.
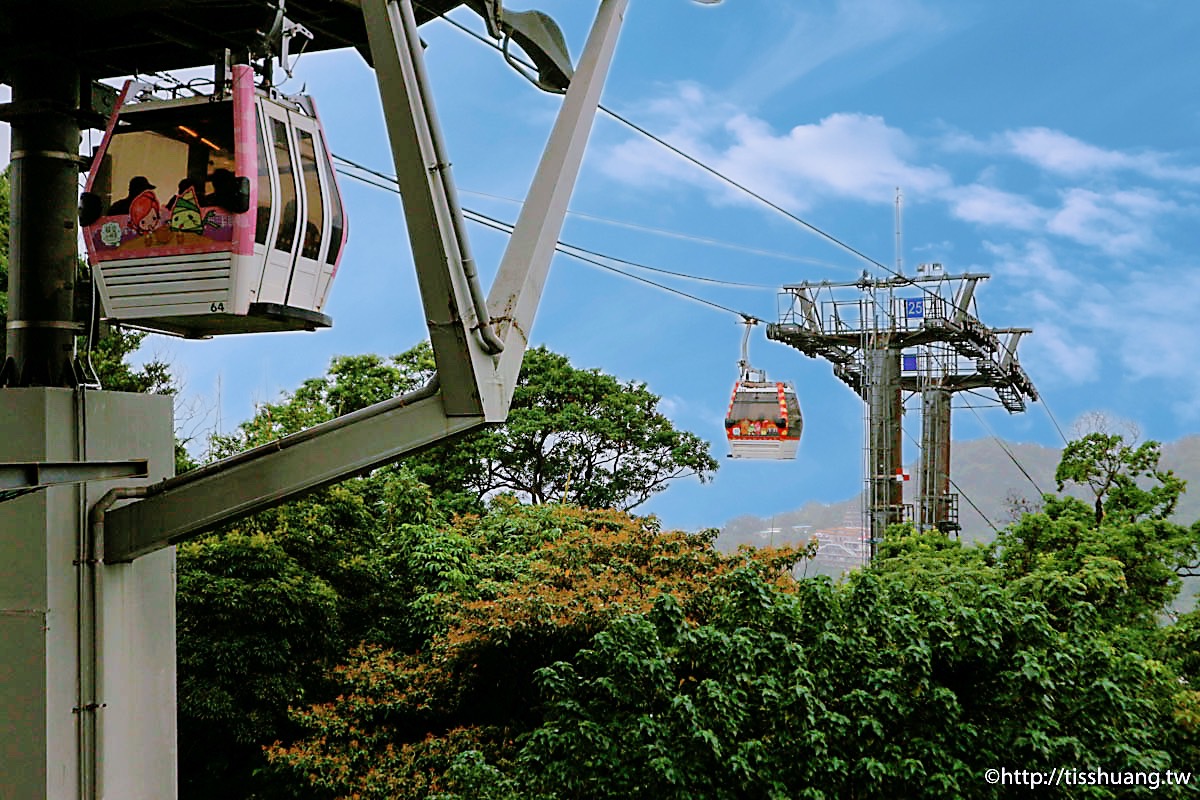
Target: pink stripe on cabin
(245, 127)
(108, 131)
(97, 159)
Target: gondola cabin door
(299, 235)
(232, 221)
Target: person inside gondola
(137, 185)
(225, 190)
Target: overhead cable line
(1050, 414)
(1007, 452)
(672, 273)
(697, 162)
(391, 180)
(570, 250)
(673, 234)
(959, 489)
(567, 250)
(389, 183)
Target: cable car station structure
(918, 335)
(88, 507)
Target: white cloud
(1060, 355)
(1156, 311)
(1034, 267)
(1060, 153)
(1117, 223)
(1129, 326)
(687, 117)
(986, 205)
(848, 155)
(852, 156)
(863, 37)
(1055, 151)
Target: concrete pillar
(59, 738)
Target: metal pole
(44, 258)
(934, 486)
(885, 408)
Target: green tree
(572, 435)
(620, 665)
(896, 684)
(383, 547)
(506, 594)
(1122, 553)
(266, 608)
(255, 631)
(1113, 469)
(567, 662)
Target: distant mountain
(987, 481)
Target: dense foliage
(371, 562)
(576, 654)
(572, 435)
(540, 582)
(375, 641)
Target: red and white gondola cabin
(764, 420)
(212, 215)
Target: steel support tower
(89, 512)
(897, 337)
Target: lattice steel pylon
(885, 343)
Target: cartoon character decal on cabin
(145, 215)
(187, 216)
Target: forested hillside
(984, 473)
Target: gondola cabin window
(155, 180)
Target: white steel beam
(473, 387)
(435, 223)
(22, 475)
(517, 290)
(276, 472)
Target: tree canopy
(581, 654)
(616, 664)
(1111, 468)
(447, 629)
(573, 435)
(377, 564)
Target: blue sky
(1052, 145)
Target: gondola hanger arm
(473, 386)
